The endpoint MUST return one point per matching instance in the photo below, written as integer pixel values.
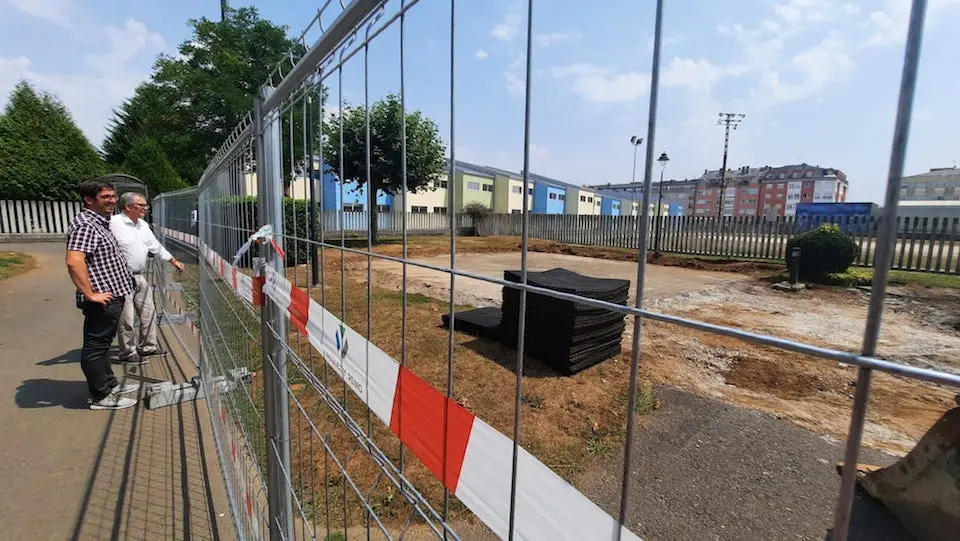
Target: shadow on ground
(149, 479)
(46, 393)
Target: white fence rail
(36, 217)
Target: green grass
(864, 277)
(533, 400)
(14, 263)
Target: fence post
(273, 323)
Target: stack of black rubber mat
(567, 335)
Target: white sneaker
(126, 388)
(113, 401)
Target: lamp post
(662, 160)
(636, 142)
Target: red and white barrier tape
(478, 457)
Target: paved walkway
(71, 473)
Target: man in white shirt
(136, 240)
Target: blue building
(548, 199)
(852, 217)
(610, 203)
(354, 197)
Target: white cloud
(546, 40)
(514, 76)
(481, 54)
(825, 63)
(111, 76)
(698, 75)
(55, 11)
(603, 85)
(126, 43)
(508, 28)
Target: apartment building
(768, 191)
(937, 184)
(783, 187)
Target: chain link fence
(340, 410)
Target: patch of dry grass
(15, 263)
(565, 421)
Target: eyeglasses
(142, 205)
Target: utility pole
(728, 121)
(223, 10)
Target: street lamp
(662, 160)
(636, 142)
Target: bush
(477, 211)
(824, 250)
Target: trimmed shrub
(824, 250)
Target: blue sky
(817, 79)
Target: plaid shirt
(108, 270)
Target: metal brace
(167, 393)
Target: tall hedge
(43, 154)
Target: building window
(516, 212)
(516, 189)
(551, 195)
(418, 209)
(440, 184)
(473, 186)
(562, 197)
(589, 200)
(529, 191)
(488, 187)
(583, 199)
(383, 208)
(353, 207)
(439, 210)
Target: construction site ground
(72, 473)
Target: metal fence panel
(347, 421)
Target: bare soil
(812, 393)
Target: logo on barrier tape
(342, 345)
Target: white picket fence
(36, 217)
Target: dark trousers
(99, 329)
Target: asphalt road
(704, 469)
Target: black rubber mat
(482, 322)
(571, 282)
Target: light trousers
(138, 322)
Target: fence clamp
(264, 234)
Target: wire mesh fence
(348, 412)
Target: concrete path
(659, 282)
(71, 473)
(704, 470)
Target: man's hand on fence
(177, 265)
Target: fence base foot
(167, 393)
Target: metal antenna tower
(728, 121)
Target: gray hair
(130, 198)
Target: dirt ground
(660, 281)
(920, 328)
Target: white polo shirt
(136, 240)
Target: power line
(728, 121)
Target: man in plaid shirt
(102, 278)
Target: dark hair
(92, 188)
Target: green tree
(195, 99)
(147, 161)
(43, 154)
(425, 151)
